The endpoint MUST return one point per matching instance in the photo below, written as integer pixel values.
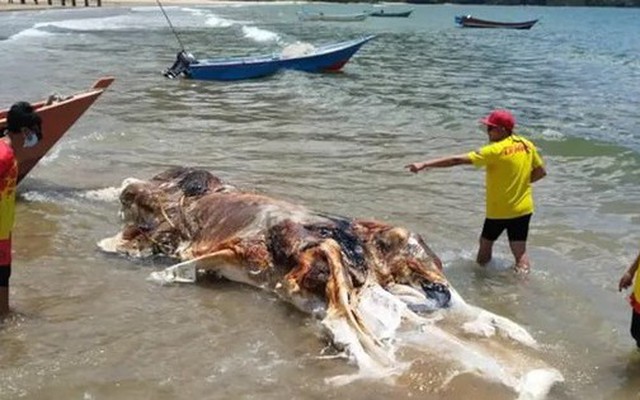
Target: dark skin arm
(443, 162)
(537, 174)
(627, 278)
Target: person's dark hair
(22, 115)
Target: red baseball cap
(500, 119)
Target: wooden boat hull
(471, 22)
(57, 118)
(386, 14)
(325, 58)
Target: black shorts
(5, 273)
(517, 228)
(635, 327)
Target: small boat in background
(306, 16)
(58, 115)
(383, 13)
(327, 58)
(467, 21)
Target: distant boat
(58, 114)
(383, 13)
(467, 21)
(306, 16)
(327, 58)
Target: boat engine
(180, 66)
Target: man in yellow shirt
(21, 120)
(631, 276)
(513, 164)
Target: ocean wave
(260, 35)
(218, 22)
(33, 32)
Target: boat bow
(58, 114)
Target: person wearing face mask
(22, 120)
(513, 164)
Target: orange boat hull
(57, 118)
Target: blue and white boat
(327, 58)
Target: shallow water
(90, 326)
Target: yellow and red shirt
(635, 295)
(509, 163)
(8, 182)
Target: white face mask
(30, 140)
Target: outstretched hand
(625, 281)
(415, 167)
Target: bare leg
(519, 250)
(4, 301)
(485, 251)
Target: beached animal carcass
(365, 280)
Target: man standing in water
(21, 120)
(512, 165)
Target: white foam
(153, 9)
(33, 32)
(218, 22)
(260, 35)
(51, 156)
(117, 22)
(553, 135)
(106, 194)
(194, 11)
(87, 24)
(37, 197)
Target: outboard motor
(183, 60)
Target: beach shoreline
(42, 4)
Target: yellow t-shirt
(509, 163)
(636, 285)
(8, 180)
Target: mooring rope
(171, 25)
